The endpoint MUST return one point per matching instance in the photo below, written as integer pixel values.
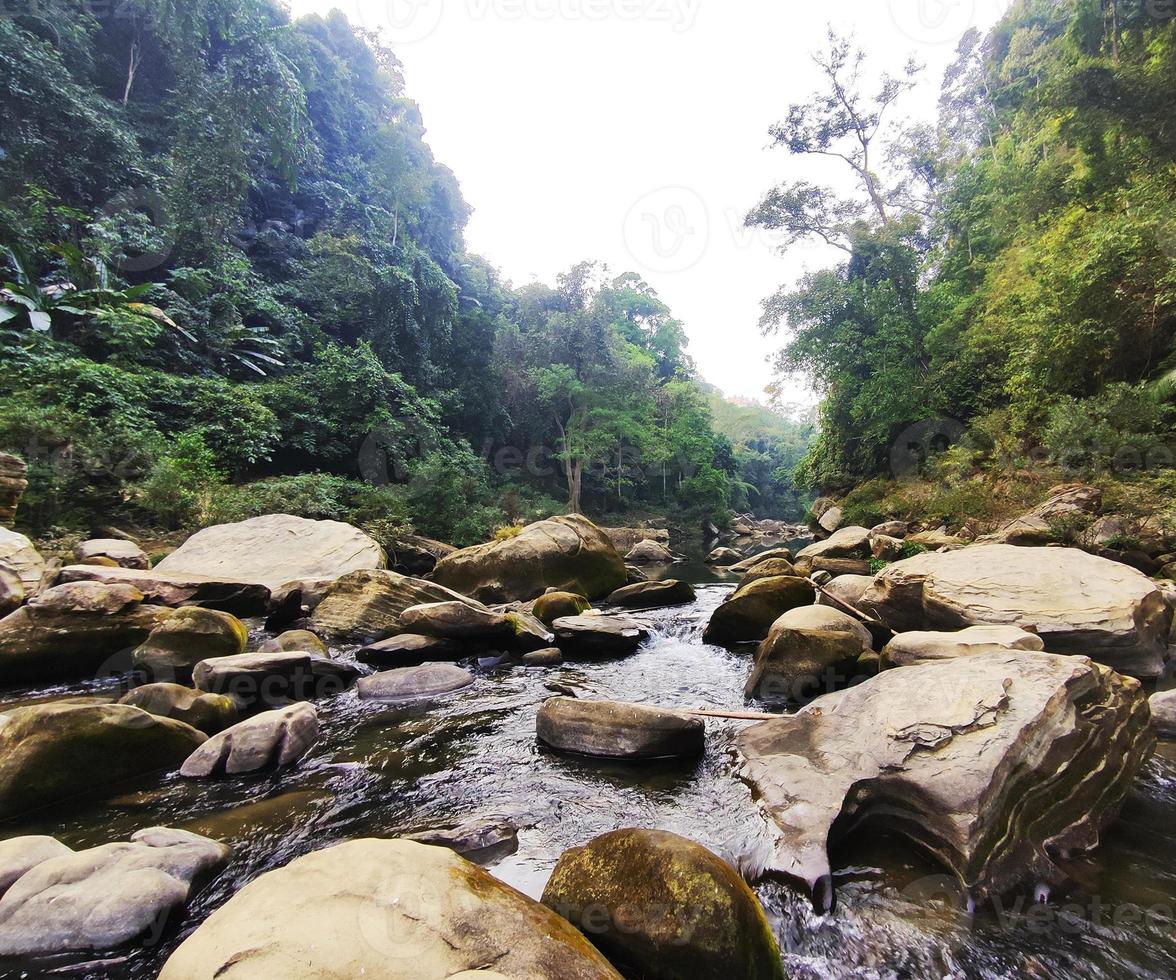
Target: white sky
(635, 132)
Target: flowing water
(384, 771)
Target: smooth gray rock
(617, 730)
(724, 556)
(649, 553)
(1163, 709)
(849, 542)
(270, 740)
(178, 589)
(21, 854)
(18, 554)
(455, 620)
(908, 649)
(125, 554)
(473, 838)
(414, 683)
(551, 657)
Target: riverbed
(384, 771)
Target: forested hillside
(237, 283)
(1009, 275)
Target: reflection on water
(383, 771)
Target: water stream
(381, 771)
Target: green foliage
(181, 486)
(1123, 428)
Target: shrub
(1124, 429)
(183, 484)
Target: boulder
(806, 651)
(125, 554)
(366, 605)
(890, 529)
(885, 548)
(18, 555)
(772, 554)
(477, 838)
(849, 542)
(934, 540)
(188, 636)
(633, 575)
(208, 713)
(1163, 709)
(411, 650)
(920, 647)
(13, 482)
(624, 538)
(268, 741)
(459, 621)
(295, 641)
(12, 591)
(1064, 504)
(1077, 603)
(995, 765)
(74, 631)
(530, 633)
(831, 520)
(393, 909)
(105, 896)
(410, 554)
(847, 588)
(649, 595)
(649, 553)
(21, 854)
(752, 609)
(568, 553)
(772, 568)
(834, 567)
(414, 683)
(276, 549)
(556, 605)
(598, 636)
(724, 556)
(662, 907)
(274, 679)
(551, 657)
(177, 588)
(616, 730)
(52, 752)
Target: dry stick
(843, 604)
(737, 715)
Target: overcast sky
(635, 132)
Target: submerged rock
(994, 764)
(650, 595)
(188, 636)
(598, 636)
(51, 752)
(125, 554)
(920, 647)
(105, 896)
(617, 730)
(178, 588)
(268, 741)
(392, 909)
(807, 651)
(209, 713)
(411, 650)
(1077, 603)
(662, 907)
(275, 549)
(556, 605)
(366, 605)
(750, 611)
(414, 683)
(474, 838)
(568, 553)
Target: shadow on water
(381, 771)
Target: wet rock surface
(267, 741)
(617, 730)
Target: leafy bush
(182, 485)
(1124, 428)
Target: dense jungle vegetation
(236, 283)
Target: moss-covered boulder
(365, 606)
(52, 752)
(808, 651)
(568, 553)
(187, 637)
(662, 907)
(770, 568)
(73, 631)
(209, 713)
(295, 641)
(556, 605)
(749, 613)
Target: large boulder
(125, 554)
(178, 588)
(274, 679)
(393, 909)
(411, 554)
(556, 605)
(52, 752)
(188, 636)
(849, 542)
(598, 636)
(671, 908)
(616, 730)
(750, 611)
(995, 764)
(649, 553)
(845, 588)
(414, 683)
(567, 553)
(920, 647)
(807, 649)
(18, 554)
(209, 713)
(457, 621)
(784, 554)
(1065, 505)
(276, 549)
(650, 595)
(21, 854)
(268, 741)
(366, 605)
(74, 631)
(105, 896)
(1077, 603)
(13, 482)
(772, 568)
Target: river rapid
(383, 771)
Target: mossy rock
(771, 568)
(191, 635)
(209, 713)
(556, 605)
(662, 907)
(751, 610)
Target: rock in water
(751, 610)
(1077, 603)
(51, 752)
(724, 556)
(411, 650)
(649, 553)
(125, 554)
(295, 641)
(414, 683)
(392, 909)
(73, 630)
(598, 636)
(274, 679)
(807, 650)
(99, 898)
(650, 595)
(18, 554)
(568, 553)
(21, 854)
(481, 838)
(457, 621)
(662, 907)
(209, 713)
(270, 740)
(276, 549)
(616, 730)
(1163, 709)
(556, 605)
(769, 568)
(993, 764)
(366, 605)
(188, 636)
(178, 588)
(908, 649)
